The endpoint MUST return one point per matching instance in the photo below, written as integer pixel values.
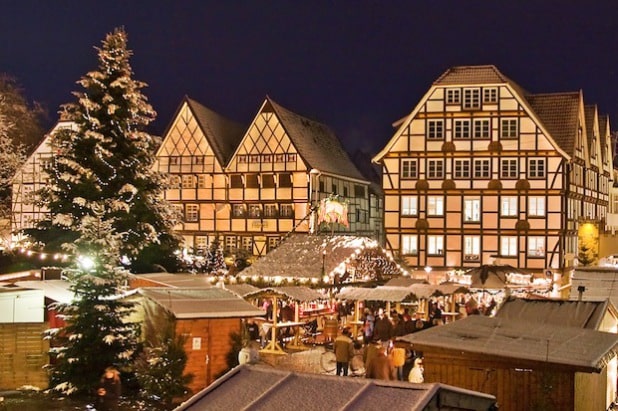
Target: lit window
(472, 247)
(536, 246)
(174, 181)
(536, 206)
(273, 242)
(247, 244)
(435, 205)
(409, 205)
(409, 245)
(508, 206)
(409, 169)
(472, 209)
(508, 246)
(435, 244)
(230, 243)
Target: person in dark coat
(383, 327)
(109, 390)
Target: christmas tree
(97, 332)
(109, 158)
(215, 262)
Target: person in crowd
(416, 373)
(371, 350)
(344, 351)
(253, 330)
(400, 327)
(109, 390)
(383, 327)
(379, 367)
(368, 325)
(398, 359)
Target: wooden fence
(23, 354)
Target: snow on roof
(180, 280)
(582, 314)
(297, 293)
(595, 283)
(265, 388)
(304, 255)
(398, 294)
(524, 340)
(212, 302)
(57, 290)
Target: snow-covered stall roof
(241, 289)
(404, 281)
(181, 280)
(398, 294)
(582, 349)
(211, 302)
(595, 284)
(296, 293)
(304, 255)
(57, 290)
(582, 314)
(251, 387)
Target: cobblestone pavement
(298, 361)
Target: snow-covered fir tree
(97, 331)
(109, 156)
(12, 156)
(215, 261)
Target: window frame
(536, 206)
(435, 169)
(409, 244)
(462, 168)
(535, 246)
(409, 205)
(512, 201)
(409, 169)
(508, 246)
(509, 128)
(435, 129)
(192, 213)
(435, 206)
(537, 168)
(481, 168)
(506, 168)
(435, 245)
(472, 210)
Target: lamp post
(313, 174)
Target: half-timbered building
(251, 186)
(30, 178)
(483, 170)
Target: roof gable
(315, 142)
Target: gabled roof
(522, 340)
(559, 114)
(582, 314)
(316, 143)
(191, 303)
(223, 134)
(296, 293)
(252, 387)
(473, 75)
(303, 255)
(603, 134)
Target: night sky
(354, 65)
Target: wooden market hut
(324, 259)
(207, 317)
(525, 364)
(249, 387)
(300, 296)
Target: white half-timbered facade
(251, 186)
(31, 177)
(482, 170)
